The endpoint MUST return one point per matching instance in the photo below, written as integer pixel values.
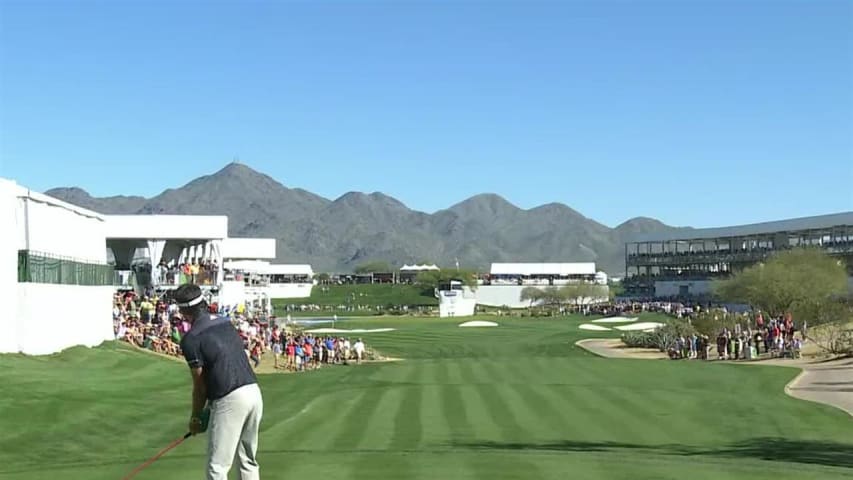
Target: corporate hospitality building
(683, 263)
(61, 264)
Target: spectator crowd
(155, 323)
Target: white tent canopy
(556, 269)
(418, 268)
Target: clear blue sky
(697, 113)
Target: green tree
(377, 266)
(554, 296)
(615, 289)
(431, 279)
(807, 282)
(531, 294)
(323, 278)
(580, 293)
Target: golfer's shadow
(764, 448)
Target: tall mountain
(357, 227)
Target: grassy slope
(517, 401)
(376, 294)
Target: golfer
(223, 379)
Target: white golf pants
(233, 429)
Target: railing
(729, 256)
(175, 278)
(39, 267)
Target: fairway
(373, 295)
(517, 401)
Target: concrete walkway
(827, 382)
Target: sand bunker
(597, 328)
(615, 320)
(478, 323)
(354, 330)
(639, 326)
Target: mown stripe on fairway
(355, 421)
(408, 429)
(454, 411)
(584, 417)
(629, 416)
(382, 428)
(531, 414)
(327, 412)
(483, 428)
(454, 373)
(552, 410)
(492, 399)
(442, 375)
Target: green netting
(39, 268)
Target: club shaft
(155, 457)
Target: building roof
(583, 268)
(25, 193)
(790, 225)
(248, 248)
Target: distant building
(503, 285)
(409, 273)
(261, 281)
(684, 263)
(543, 274)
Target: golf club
(155, 457)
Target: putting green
(515, 402)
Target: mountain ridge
(337, 235)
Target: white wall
(500, 295)
(52, 317)
(670, 288)
(510, 296)
(9, 244)
(290, 290)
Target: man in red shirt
(309, 354)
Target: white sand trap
(354, 330)
(597, 328)
(478, 323)
(615, 320)
(639, 326)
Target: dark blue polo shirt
(214, 345)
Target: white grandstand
(544, 274)
(56, 256)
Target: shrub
(661, 338)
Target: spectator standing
(359, 350)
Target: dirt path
(827, 382)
